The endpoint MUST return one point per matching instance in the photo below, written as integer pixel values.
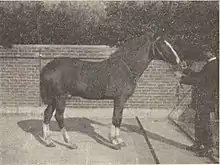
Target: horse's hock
(21, 65)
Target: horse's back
(59, 63)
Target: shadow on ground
(84, 125)
(154, 136)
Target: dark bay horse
(114, 78)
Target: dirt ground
(20, 142)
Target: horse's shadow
(82, 125)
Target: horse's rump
(46, 92)
(55, 76)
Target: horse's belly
(92, 83)
(88, 91)
(94, 93)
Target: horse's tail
(46, 90)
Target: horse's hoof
(66, 140)
(51, 144)
(71, 146)
(116, 147)
(122, 144)
(115, 144)
(47, 141)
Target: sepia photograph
(109, 82)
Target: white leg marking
(117, 131)
(66, 139)
(115, 141)
(46, 136)
(174, 52)
(112, 131)
(112, 136)
(65, 135)
(46, 131)
(117, 134)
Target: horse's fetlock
(116, 122)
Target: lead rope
(179, 85)
(179, 101)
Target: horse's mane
(131, 45)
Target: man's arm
(199, 78)
(192, 80)
(190, 72)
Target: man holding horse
(205, 99)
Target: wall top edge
(73, 46)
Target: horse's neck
(136, 55)
(139, 61)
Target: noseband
(183, 64)
(155, 47)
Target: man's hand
(183, 65)
(178, 75)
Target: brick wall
(19, 77)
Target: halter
(182, 65)
(155, 47)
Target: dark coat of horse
(114, 78)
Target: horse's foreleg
(48, 113)
(116, 121)
(59, 116)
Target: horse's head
(162, 50)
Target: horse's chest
(130, 87)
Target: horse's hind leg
(48, 113)
(59, 116)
